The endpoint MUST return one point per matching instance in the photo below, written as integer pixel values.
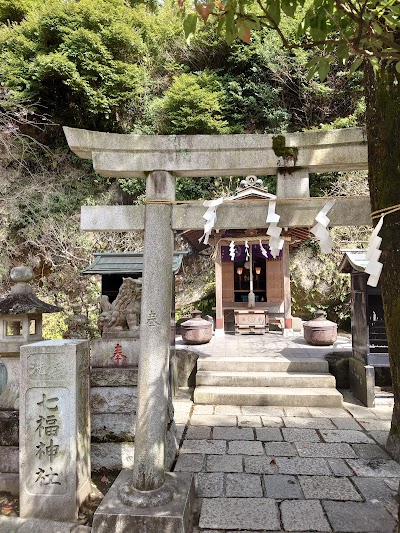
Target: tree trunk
(382, 88)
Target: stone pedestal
(54, 429)
(173, 517)
(115, 352)
(362, 381)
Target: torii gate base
(173, 517)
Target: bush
(192, 105)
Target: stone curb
(33, 525)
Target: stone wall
(113, 399)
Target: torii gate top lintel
(133, 156)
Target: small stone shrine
(369, 364)
(20, 323)
(114, 360)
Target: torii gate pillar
(149, 499)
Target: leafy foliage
(193, 104)
(341, 29)
(82, 61)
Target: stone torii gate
(160, 159)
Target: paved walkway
(288, 469)
(272, 344)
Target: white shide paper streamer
(374, 266)
(320, 231)
(246, 249)
(275, 242)
(210, 217)
(232, 251)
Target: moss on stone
(281, 150)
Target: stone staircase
(265, 381)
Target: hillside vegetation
(119, 66)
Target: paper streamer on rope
(320, 231)
(374, 266)
(210, 217)
(275, 242)
(263, 250)
(232, 251)
(246, 250)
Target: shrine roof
(353, 260)
(126, 263)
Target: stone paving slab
(374, 467)
(323, 449)
(329, 412)
(302, 466)
(381, 437)
(243, 486)
(280, 449)
(204, 446)
(346, 423)
(240, 513)
(245, 447)
(209, 485)
(298, 515)
(213, 420)
(203, 409)
(251, 421)
(227, 410)
(339, 467)
(224, 463)
(260, 465)
(189, 462)
(345, 435)
(308, 423)
(370, 451)
(269, 434)
(360, 412)
(198, 432)
(282, 487)
(262, 410)
(233, 433)
(272, 421)
(374, 489)
(328, 488)
(376, 425)
(351, 517)
(297, 411)
(304, 435)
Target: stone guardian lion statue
(123, 314)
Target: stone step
(264, 379)
(277, 396)
(262, 364)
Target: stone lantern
(20, 323)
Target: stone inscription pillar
(54, 429)
(153, 376)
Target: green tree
(353, 33)
(84, 63)
(193, 104)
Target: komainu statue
(123, 314)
